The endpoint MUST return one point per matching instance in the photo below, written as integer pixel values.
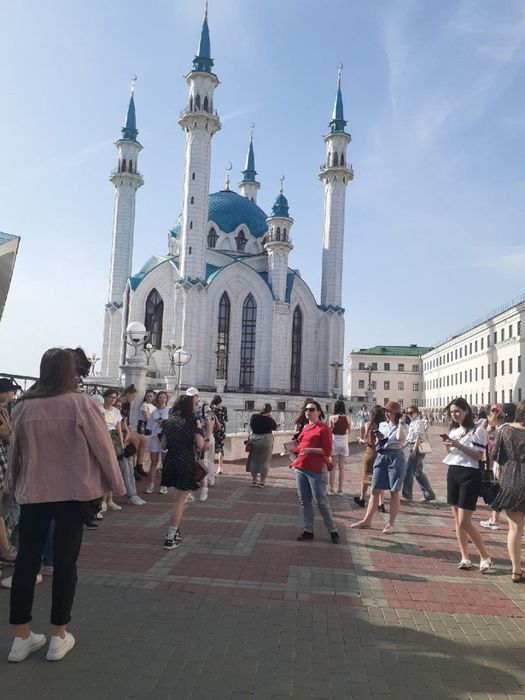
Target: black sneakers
(173, 542)
(359, 501)
(305, 536)
(334, 536)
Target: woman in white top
(146, 409)
(465, 445)
(160, 414)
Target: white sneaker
(99, 516)
(136, 500)
(485, 564)
(7, 582)
(22, 648)
(104, 506)
(490, 524)
(465, 564)
(340, 493)
(150, 488)
(190, 498)
(163, 490)
(113, 506)
(203, 494)
(59, 647)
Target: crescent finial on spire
(282, 184)
(228, 169)
(206, 10)
(133, 81)
(339, 71)
(252, 127)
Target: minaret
(249, 186)
(336, 175)
(127, 179)
(278, 245)
(200, 122)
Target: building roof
(410, 350)
(130, 131)
(280, 206)
(150, 265)
(8, 251)
(229, 210)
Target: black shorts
(463, 486)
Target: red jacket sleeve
(326, 441)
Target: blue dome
(280, 206)
(229, 210)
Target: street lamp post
(178, 357)
(336, 366)
(134, 366)
(370, 389)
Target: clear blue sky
(434, 95)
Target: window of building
(400, 402)
(297, 342)
(519, 393)
(495, 337)
(223, 336)
(212, 238)
(510, 365)
(519, 363)
(456, 354)
(240, 240)
(415, 368)
(470, 348)
(510, 333)
(415, 386)
(502, 334)
(488, 396)
(465, 376)
(502, 368)
(488, 371)
(495, 397)
(470, 375)
(386, 386)
(361, 365)
(518, 330)
(281, 405)
(361, 384)
(475, 346)
(503, 396)
(386, 366)
(374, 366)
(510, 395)
(401, 367)
(482, 368)
(415, 402)
(481, 347)
(465, 350)
(247, 363)
(488, 343)
(153, 318)
(249, 405)
(401, 386)
(460, 352)
(476, 374)
(385, 400)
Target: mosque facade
(223, 289)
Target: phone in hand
(443, 436)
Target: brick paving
(242, 610)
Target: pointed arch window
(223, 337)
(241, 240)
(205, 105)
(153, 318)
(335, 159)
(130, 166)
(278, 234)
(198, 102)
(191, 104)
(248, 328)
(342, 159)
(297, 342)
(212, 238)
(123, 165)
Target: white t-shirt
(475, 439)
(163, 414)
(390, 431)
(146, 408)
(112, 416)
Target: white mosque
(223, 289)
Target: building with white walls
(223, 289)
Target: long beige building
(395, 373)
(481, 363)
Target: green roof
(411, 350)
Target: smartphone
(443, 436)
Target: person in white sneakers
(61, 456)
(206, 421)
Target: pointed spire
(130, 131)
(203, 61)
(338, 122)
(249, 171)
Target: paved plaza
(243, 610)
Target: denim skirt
(389, 470)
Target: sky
(434, 96)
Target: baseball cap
(192, 391)
(6, 385)
(495, 407)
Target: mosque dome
(228, 210)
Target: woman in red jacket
(314, 450)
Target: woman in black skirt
(181, 436)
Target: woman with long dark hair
(219, 432)
(260, 441)
(181, 436)
(377, 416)
(154, 425)
(465, 445)
(340, 425)
(61, 456)
(509, 453)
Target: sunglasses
(310, 408)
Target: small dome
(280, 206)
(229, 210)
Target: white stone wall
(333, 240)
(249, 189)
(483, 365)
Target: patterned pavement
(243, 610)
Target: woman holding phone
(154, 425)
(465, 445)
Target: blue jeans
(311, 485)
(415, 469)
(129, 478)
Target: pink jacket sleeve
(97, 437)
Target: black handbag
(489, 485)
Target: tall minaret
(336, 175)
(200, 122)
(127, 180)
(278, 245)
(249, 186)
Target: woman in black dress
(261, 445)
(219, 433)
(181, 436)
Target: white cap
(192, 391)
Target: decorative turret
(127, 179)
(200, 122)
(335, 174)
(278, 245)
(249, 185)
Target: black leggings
(33, 528)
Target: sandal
(388, 529)
(465, 564)
(517, 578)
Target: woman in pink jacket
(61, 456)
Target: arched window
(241, 241)
(205, 105)
(193, 176)
(342, 159)
(284, 234)
(123, 165)
(153, 319)
(223, 336)
(212, 238)
(335, 159)
(191, 104)
(130, 166)
(247, 363)
(297, 341)
(278, 234)
(192, 200)
(198, 102)
(191, 224)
